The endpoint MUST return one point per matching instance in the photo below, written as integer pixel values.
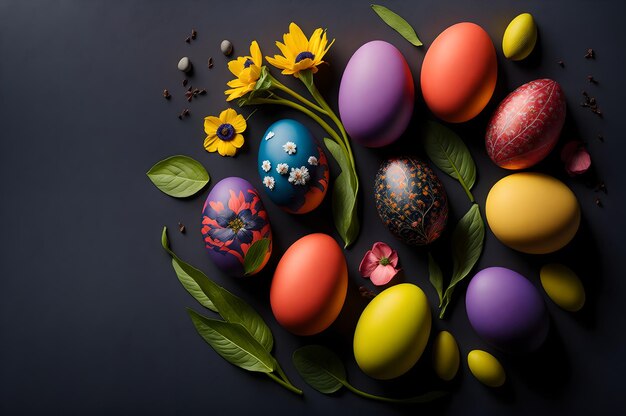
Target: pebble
(227, 47)
(184, 64)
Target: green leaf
(397, 23)
(320, 368)
(345, 189)
(448, 152)
(435, 276)
(255, 256)
(232, 308)
(179, 176)
(467, 246)
(192, 287)
(233, 343)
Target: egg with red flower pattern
(233, 219)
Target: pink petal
(368, 264)
(393, 259)
(576, 158)
(383, 274)
(381, 250)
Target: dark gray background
(92, 318)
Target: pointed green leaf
(448, 152)
(255, 256)
(232, 308)
(467, 246)
(192, 287)
(320, 368)
(345, 190)
(233, 343)
(435, 276)
(179, 176)
(397, 23)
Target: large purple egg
(506, 310)
(376, 94)
(233, 218)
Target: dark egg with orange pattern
(411, 200)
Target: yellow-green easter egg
(519, 37)
(563, 286)
(446, 357)
(486, 368)
(392, 332)
(532, 212)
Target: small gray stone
(226, 47)
(184, 64)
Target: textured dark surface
(92, 317)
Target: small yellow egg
(519, 37)
(446, 357)
(486, 368)
(563, 286)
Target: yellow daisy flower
(247, 69)
(224, 132)
(300, 53)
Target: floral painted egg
(410, 200)
(526, 125)
(293, 167)
(233, 218)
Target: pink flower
(576, 158)
(379, 264)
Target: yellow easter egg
(563, 286)
(532, 212)
(519, 37)
(446, 357)
(486, 368)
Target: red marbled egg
(526, 125)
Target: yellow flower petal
(228, 115)
(226, 148)
(236, 83)
(299, 38)
(235, 66)
(211, 125)
(237, 141)
(314, 42)
(239, 123)
(211, 143)
(255, 53)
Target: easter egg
(293, 167)
(233, 219)
(486, 368)
(376, 95)
(526, 125)
(392, 332)
(506, 310)
(519, 37)
(459, 73)
(532, 212)
(411, 200)
(446, 357)
(309, 285)
(563, 286)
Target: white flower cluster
(289, 148)
(266, 165)
(299, 176)
(312, 161)
(269, 182)
(282, 168)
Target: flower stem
(298, 96)
(286, 385)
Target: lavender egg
(411, 200)
(234, 218)
(376, 95)
(506, 310)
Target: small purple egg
(376, 95)
(506, 310)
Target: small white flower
(282, 168)
(312, 161)
(266, 165)
(269, 182)
(270, 134)
(299, 176)
(290, 148)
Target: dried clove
(183, 114)
(166, 94)
(598, 202)
(181, 227)
(210, 63)
(185, 81)
(590, 102)
(601, 187)
(194, 34)
(591, 54)
(591, 79)
(561, 64)
(188, 39)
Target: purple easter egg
(233, 218)
(376, 95)
(506, 310)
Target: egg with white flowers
(293, 167)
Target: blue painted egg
(234, 218)
(411, 200)
(293, 167)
